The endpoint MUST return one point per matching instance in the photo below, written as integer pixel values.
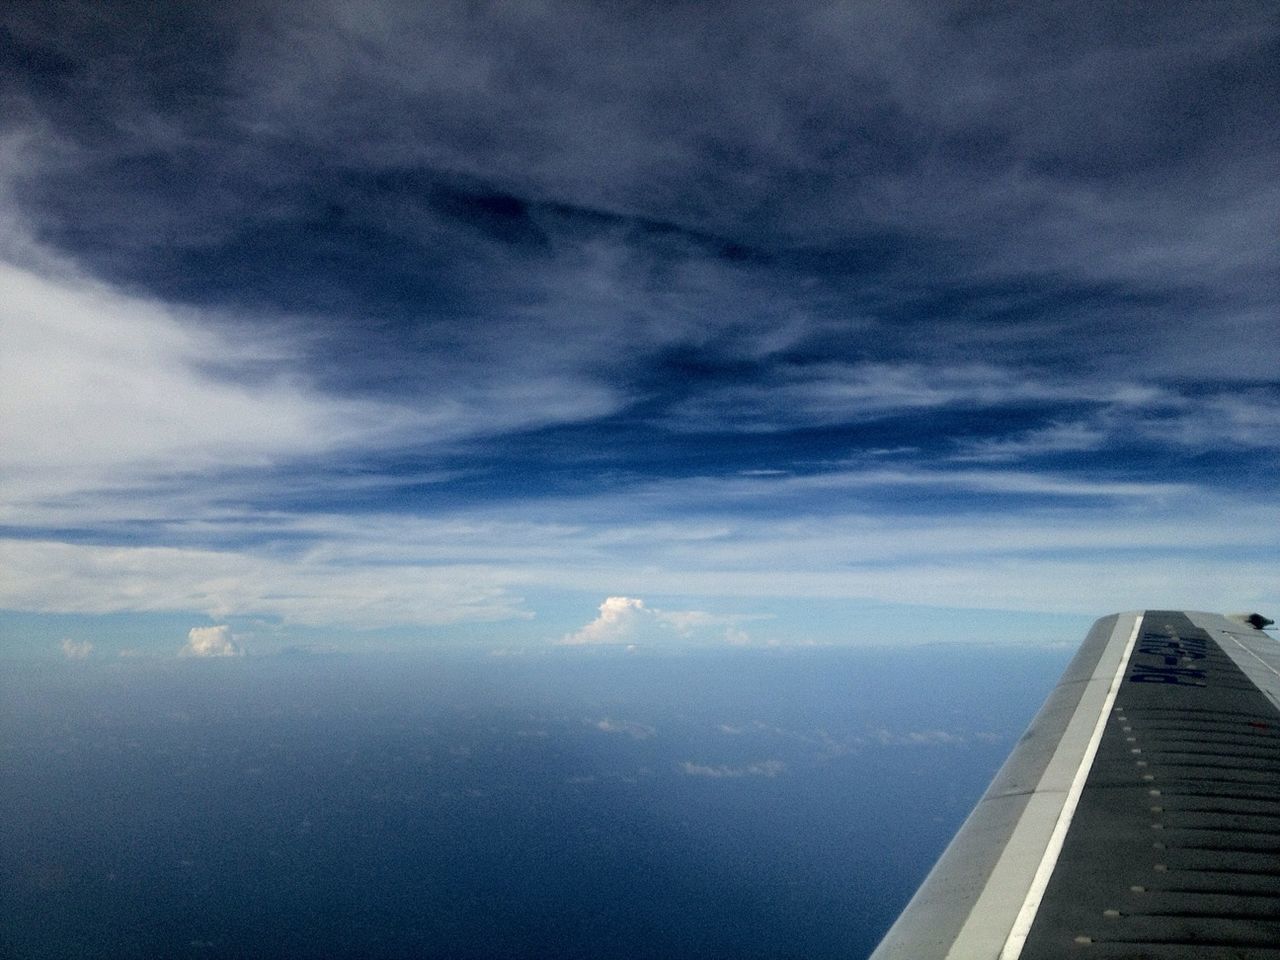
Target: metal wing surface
(1138, 816)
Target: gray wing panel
(1138, 817)
(968, 904)
(1255, 653)
(1172, 851)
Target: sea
(540, 803)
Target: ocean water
(564, 803)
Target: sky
(730, 323)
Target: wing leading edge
(1138, 816)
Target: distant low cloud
(917, 738)
(637, 731)
(211, 642)
(76, 649)
(623, 619)
(617, 622)
(761, 768)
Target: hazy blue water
(571, 804)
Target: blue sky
(354, 324)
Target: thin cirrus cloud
(828, 393)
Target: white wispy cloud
(1221, 417)
(1227, 420)
(111, 396)
(760, 768)
(474, 565)
(636, 731)
(1240, 419)
(211, 642)
(50, 576)
(828, 393)
(76, 649)
(1081, 585)
(100, 387)
(918, 738)
(1057, 438)
(988, 481)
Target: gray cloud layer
(591, 165)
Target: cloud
(333, 588)
(616, 623)
(637, 731)
(686, 622)
(761, 768)
(827, 393)
(76, 649)
(734, 305)
(1062, 542)
(1007, 482)
(211, 642)
(1057, 438)
(624, 619)
(102, 385)
(918, 738)
(1048, 165)
(107, 390)
(1200, 421)
(1107, 410)
(1002, 133)
(1239, 420)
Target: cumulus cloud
(617, 622)
(761, 768)
(76, 649)
(623, 619)
(211, 642)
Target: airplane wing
(1138, 816)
